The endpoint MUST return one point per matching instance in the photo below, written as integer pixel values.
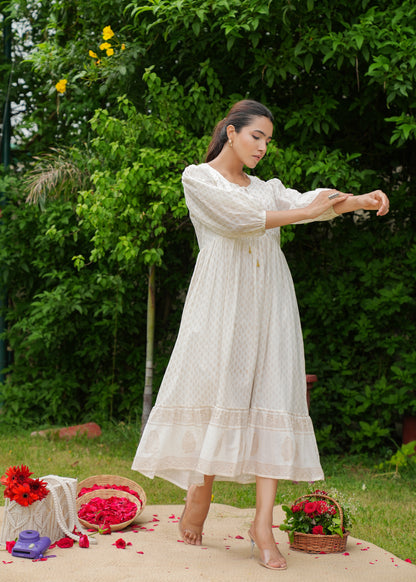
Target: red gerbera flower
(38, 488)
(23, 495)
(8, 493)
(16, 475)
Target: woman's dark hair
(240, 115)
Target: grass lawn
(386, 514)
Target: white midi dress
(232, 402)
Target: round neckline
(229, 181)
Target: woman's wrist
(351, 204)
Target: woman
(232, 404)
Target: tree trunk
(150, 336)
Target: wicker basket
(113, 480)
(106, 494)
(316, 544)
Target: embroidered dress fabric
(233, 399)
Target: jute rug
(155, 552)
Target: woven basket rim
(106, 494)
(324, 536)
(316, 543)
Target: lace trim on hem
(232, 419)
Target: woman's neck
(231, 168)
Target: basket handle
(322, 496)
(73, 516)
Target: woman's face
(250, 143)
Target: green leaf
(359, 39)
(308, 62)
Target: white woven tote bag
(55, 516)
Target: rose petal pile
(96, 487)
(20, 487)
(107, 512)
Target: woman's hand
(376, 200)
(324, 201)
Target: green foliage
(403, 461)
(85, 310)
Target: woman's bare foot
(270, 557)
(195, 512)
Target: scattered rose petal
(180, 541)
(4, 562)
(346, 554)
(239, 537)
(139, 552)
(84, 541)
(10, 546)
(408, 560)
(65, 543)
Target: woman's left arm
(376, 200)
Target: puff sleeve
(223, 207)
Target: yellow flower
(107, 33)
(123, 47)
(93, 55)
(61, 86)
(105, 46)
(110, 52)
